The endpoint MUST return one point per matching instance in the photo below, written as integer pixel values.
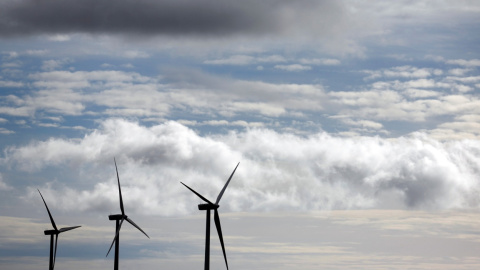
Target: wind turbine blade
(116, 235)
(119, 188)
(49, 214)
(55, 253)
(68, 228)
(201, 197)
(136, 226)
(226, 184)
(220, 236)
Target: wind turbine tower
(119, 218)
(208, 206)
(55, 232)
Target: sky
(356, 125)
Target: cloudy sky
(356, 125)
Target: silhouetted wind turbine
(119, 218)
(212, 206)
(56, 232)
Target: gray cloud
(154, 17)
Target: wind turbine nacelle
(207, 206)
(116, 217)
(50, 232)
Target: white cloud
(470, 79)
(10, 84)
(36, 52)
(390, 105)
(133, 54)
(11, 54)
(402, 72)
(322, 61)
(402, 57)
(117, 93)
(241, 60)
(59, 38)
(22, 111)
(451, 134)
(82, 79)
(49, 65)
(15, 64)
(233, 60)
(271, 59)
(470, 127)
(277, 171)
(465, 63)
(463, 88)
(73, 93)
(3, 185)
(419, 93)
(260, 107)
(128, 66)
(222, 123)
(48, 124)
(242, 95)
(293, 67)
(6, 131)
(421, 83)
(363, 123)
(459, 71)
(469, 118)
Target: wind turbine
(212, 206)
(56, 232)
(119, 218)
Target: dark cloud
(205, 17)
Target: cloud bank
(278, 171)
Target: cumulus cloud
(278, 171)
